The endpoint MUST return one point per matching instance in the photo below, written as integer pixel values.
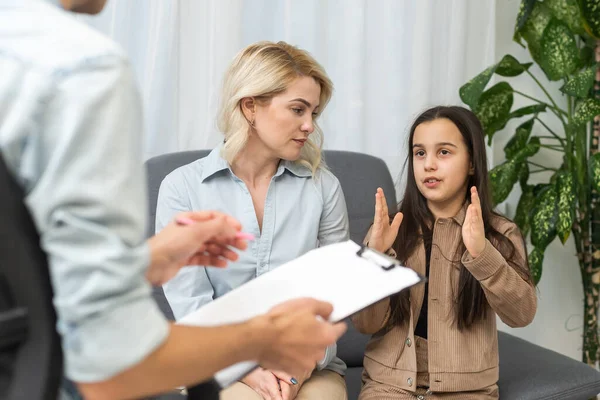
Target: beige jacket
(458, 361)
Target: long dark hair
(470, 302)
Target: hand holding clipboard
(349, 276)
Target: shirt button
(410, 382)
(420, 397)
(408, 342)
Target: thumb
(396, 222)
(339, 329)
(320, 308)
(284, 376)
(305, 304)
(203, 232)
(468, 214)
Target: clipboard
(349, 276)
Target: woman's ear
(248, 106)
(471, 168)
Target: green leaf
(590, 11)
(519, 139)
(566, 199)
(471, 91)
(586, 56)
(559, 54)
(536, 259)
(510, 66)
(533, 109)
(580, 84)
(595, 171)
(534, 27)
(524, 207)
(524, 176)
(568, 12)
(503, 177)
(493, 108)
(544, 217)
(586, 111)
(524, 12)
(530, 149)
(539, 188)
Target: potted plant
(562, 37)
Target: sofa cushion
(529, 372)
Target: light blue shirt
(70, 132)
(301, 212)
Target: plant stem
(541, 166)
(549, 137)
(558, 111)
(543, 88)
(562, 141)
(541, 170)
(555, 148)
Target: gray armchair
(527, 371)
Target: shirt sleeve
(191, 287)
(89, 203)
(334, 226)
(508, 293)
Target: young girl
(269, 174)
(439, 340)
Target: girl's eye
(444, 152)
(420, 153)
(298, 110)
(315, 114)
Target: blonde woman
(268, 173)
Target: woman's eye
(297, 110)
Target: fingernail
(185, 221)
(294, 381)
(244, 235)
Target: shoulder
(44, 38)
(326, 181)
(504, 225)
(179, 178)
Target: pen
(238, 235)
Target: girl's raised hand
(473, 231)
(383, 233)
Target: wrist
(157, 261)
(376, 247)
(158, 257)
(477, 252)
(258, 333)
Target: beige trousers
(372, 390)
(322, 385)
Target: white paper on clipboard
(347, 275)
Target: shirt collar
(215, 163)
(301, 171)
(459, 218)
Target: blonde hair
(262, 71)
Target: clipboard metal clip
(382, 260)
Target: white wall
(558, 324)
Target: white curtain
(388, 59)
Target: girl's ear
(471, 168)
